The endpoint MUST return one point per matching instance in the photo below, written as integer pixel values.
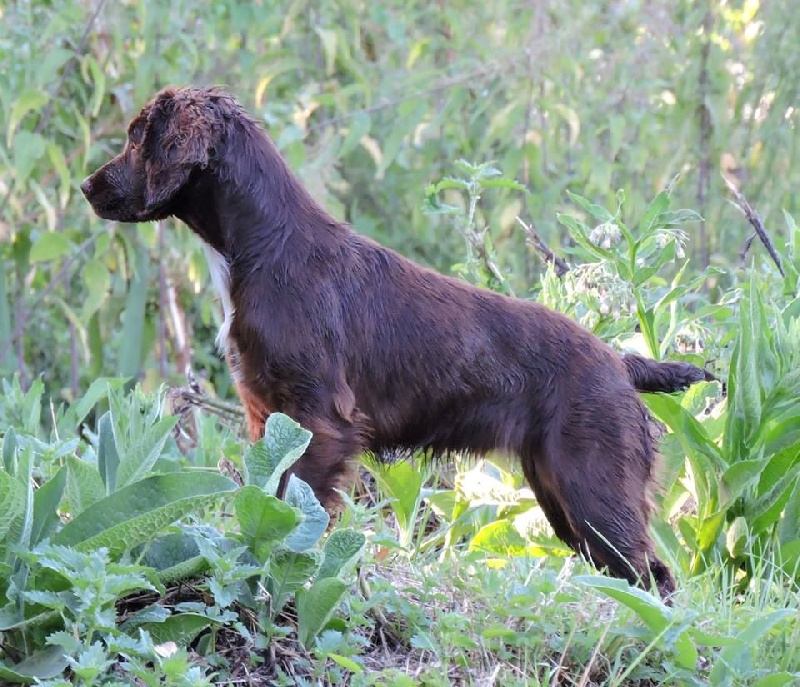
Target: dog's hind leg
(604, 497)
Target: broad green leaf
(12, 502)
(766, 510)
(314, 518)
(97, 281)
(263, 520)
(658, 205)
(42, 665)
(59, 162)
(501, 538)
(284, 442)
(359, 127)
(140, 458)
(341, 548)
(130, 353)
(30, 100)
(97, 391)
(181, 628)
(658, 617)
(107, 455)
(289, 571)
(29, 148)
(778, 680)
(598, 212)
(50, 246)
(402, 482)
(84, 485)
(736, 659)
(315, 606)
(45, 506)
(140, 511)
(739, 476)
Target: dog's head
(168, 142)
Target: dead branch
(755, 221)
(536, 242)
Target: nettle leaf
(284, 442)
(315, 606)
(140, 511)
(314, 518)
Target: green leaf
(130, 354)
(314, 518)
(341, 548)
(360, 125)
(263, 520)
(328, 38)
(778, 680)
(181, 628)
(45, 506)
(49, 246)
(658, 205)
(501, 538)
(284, 442)
(402, 483)
(315, 606)
(29, 148)
(740, 476)
(12, 502)
(97, 282)
(658, 617)
(84, 485)
(97, 391)
(29, 101)
(597, 211)
(289, 571)
(107, 455)
(140, 511)
(41, 665)
(140, 458)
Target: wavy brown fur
(372, 352)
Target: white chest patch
(221, 279)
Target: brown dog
(372, 352)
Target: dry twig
(755, 221)
(534, 240)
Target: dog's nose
(86, 186)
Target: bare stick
(534, 240)
(755, 221)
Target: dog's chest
(221, 279)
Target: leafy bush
(87, 524)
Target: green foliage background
(370, 101)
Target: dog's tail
(650, 376)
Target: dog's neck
(249, 208)
(249, 203)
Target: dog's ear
(177, 139)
